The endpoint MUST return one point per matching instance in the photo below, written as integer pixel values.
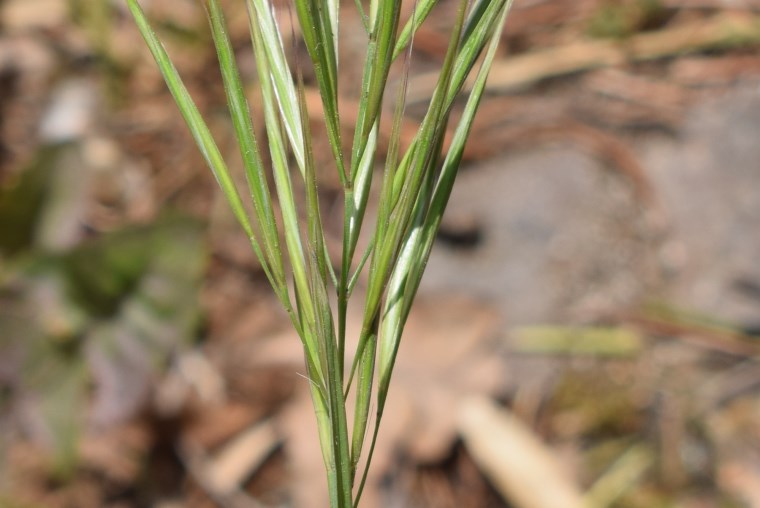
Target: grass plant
(290, 242)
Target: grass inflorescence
(415, 187)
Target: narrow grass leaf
(324, 428)
(315, 233)
(324, 334)
(391, 162)
(421, 153)
(333, 11)
(394, 147)
(400, 217)
(199, 131)
(323, 329)
(316, 27)
(422, 10)
(472, 45)
(392, 314)
(288, 209)
(481, 24)
(406, 279)
(453, 159)
(355, 204)
(396, 224)
(408, 272)
(260, 13)
(363, 400)
(364, 170)
(379, 59)
(238, 106)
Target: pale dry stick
(239, 459)
(753, 5)
(202, 468)
(516, 73)
(519, 466)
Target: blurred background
(587, 334)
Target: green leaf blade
(249, 150)
(279, 74)
(198, 128)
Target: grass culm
(415, 187)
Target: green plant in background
(616, 19)
(415, 188)
(113, 311)
(85, 326)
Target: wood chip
(518, 464)
(225, 473)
